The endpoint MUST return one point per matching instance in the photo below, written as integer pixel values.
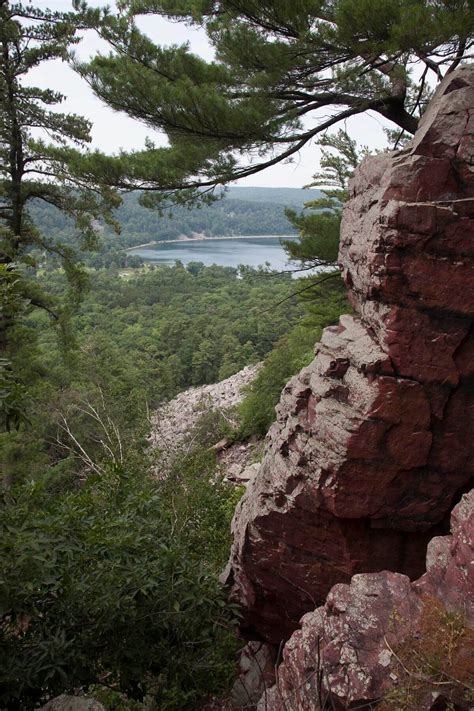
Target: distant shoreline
(205, 239)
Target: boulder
(449, 573)
(241, 474)
(379, 637)
(256, 674)
(373, 440)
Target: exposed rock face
(373, 441)
(256, 673)
(350, 647)
(450, 564)
(347, 638)
(172, 424)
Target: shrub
(291, 353)
(435, 662)
(257, 410)
(115, 584)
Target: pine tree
(318, 230)
(276, 63)
(40, 159)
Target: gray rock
(72, 703)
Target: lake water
(252, 251)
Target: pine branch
(300, 291)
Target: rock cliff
(378, 637)
(373, 444)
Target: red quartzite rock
(348, 646)
(374, 439)
(450, 564)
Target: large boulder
(373, 441)
(382, 637)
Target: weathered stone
(343, 647)
(347, 649)
(173, 423)
(256, 674)
(241, 474)
(373, 440)
(450, 563)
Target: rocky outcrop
(374, 639)
(449, 573)
(373, 441)
(172, 424)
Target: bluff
(373, 443)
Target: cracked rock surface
(349, 647)
(373, 443)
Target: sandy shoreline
(205, 239)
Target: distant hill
(288, 197)
(243, 211)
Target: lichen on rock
(380, 637)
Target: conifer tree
(318, 229)
(276, 64)
(40, 159)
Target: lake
(225, 252)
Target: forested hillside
(139, 341)
(288, 197)
(243, 211)
(96, 530)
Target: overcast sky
(112, 131)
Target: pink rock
(345, 651)
(450, 563)
(342, 650)
(373, 440)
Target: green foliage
(274, 65)
(318, 239)
(290, 354)
(212, 425)
(110, 577)
(180, 325)
(33, 169)
(107, 584)
(139, 341)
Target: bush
(115, 584)
(435, 663)
(257, 410)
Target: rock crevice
(357, 647)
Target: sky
(113, 131)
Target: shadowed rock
(347, 652)
(72, 703)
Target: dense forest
(102, 545)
